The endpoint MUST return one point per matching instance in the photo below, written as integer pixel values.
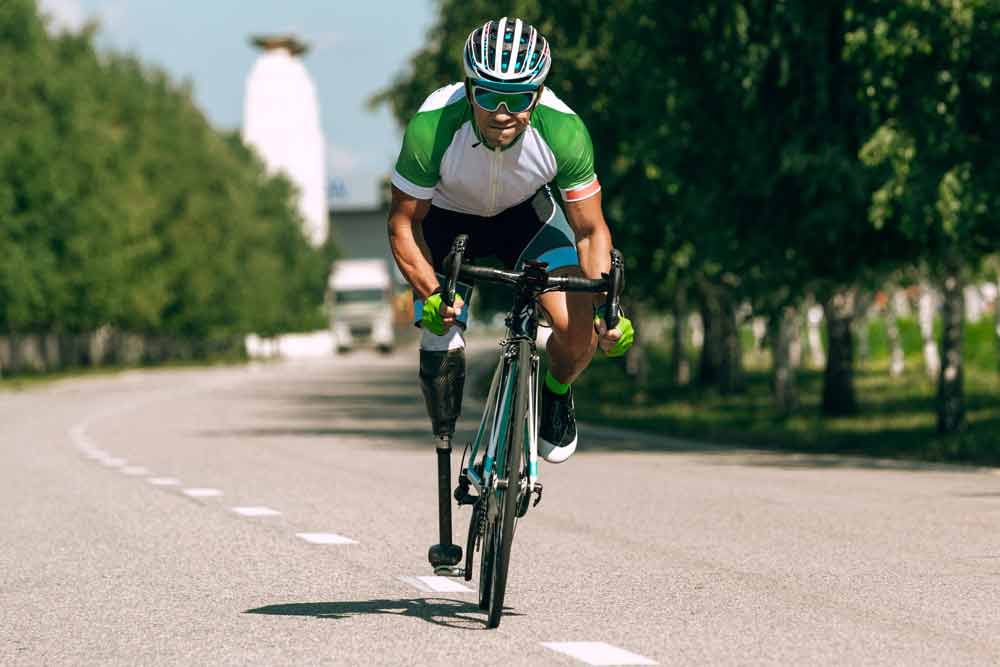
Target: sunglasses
(490, 100)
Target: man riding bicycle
(477, 159)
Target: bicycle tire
(507, 516)
(486, 567)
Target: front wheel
(486, 565)
(503, 527)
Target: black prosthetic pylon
(442, 378)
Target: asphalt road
(120, 544)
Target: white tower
(281, 120)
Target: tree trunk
(862, 324)
(950, 400)
(710, 361)
(974, 305)
(925, 317)
(721, 356)
(814, 315)
(51, 354)
(758, 326)
(838, 378)
(731, 372)
(896, 356)
(780, 331)
(680, 368)
(795, 342)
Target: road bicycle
(499, 472)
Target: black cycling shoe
(557, 427)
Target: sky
(357, 48)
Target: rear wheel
(503, 527)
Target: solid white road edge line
(325, 538)
(598, 653)
(434, 584)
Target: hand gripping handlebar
(535, 278)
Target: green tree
(930, 71)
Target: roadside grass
(897, 417)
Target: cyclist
(477, 159)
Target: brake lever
(616, 281)
(453, 265)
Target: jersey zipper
(495, 185)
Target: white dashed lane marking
(114, 462)
(256, 511)
(325, 538)
(164, 481)
(433, 584)
(598, 653)
(135, 470)
(202, 493)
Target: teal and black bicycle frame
(493, 435)
(502, 462)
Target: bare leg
(573, 340)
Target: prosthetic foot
(442, 378)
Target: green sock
(554, 385)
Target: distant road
(281, 514)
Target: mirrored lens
(490, 100)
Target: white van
(359, 302)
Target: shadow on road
(375, 406)
(788, 460)
(456, 614)
(384, 405)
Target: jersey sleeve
(417, 171)
(575, 177)
(570, 143)
(427, 137)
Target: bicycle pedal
(538, 494)
(449, 571)
(444, 555)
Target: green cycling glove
(430, 316)
(624, 326)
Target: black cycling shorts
(535, 229)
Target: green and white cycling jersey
(444, 158)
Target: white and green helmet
(507, 51)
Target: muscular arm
(593, 239)
(407, 243)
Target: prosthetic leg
(442, 377)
